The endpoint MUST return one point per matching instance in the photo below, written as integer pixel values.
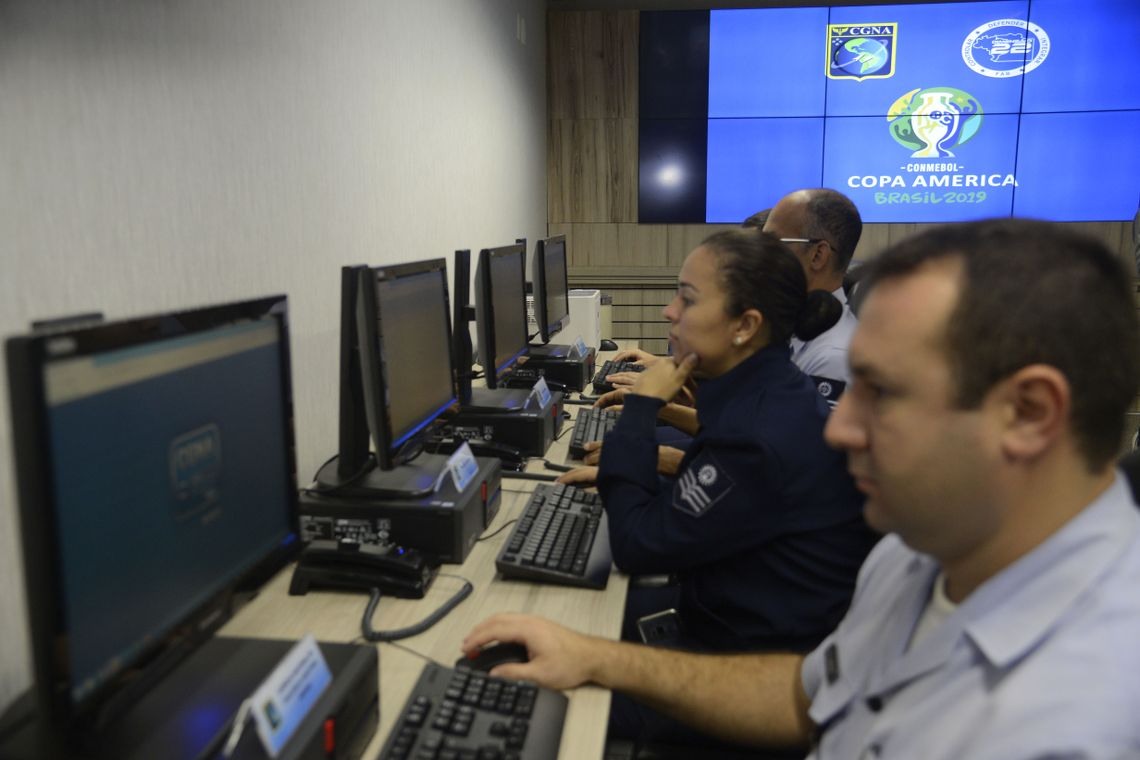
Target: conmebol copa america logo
(1007, 47)
(931, 121)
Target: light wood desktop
(336, 617)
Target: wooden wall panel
(592, 170)
(592, 64)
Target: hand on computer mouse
(487, 658)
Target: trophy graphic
(935, 121)
(931, 121)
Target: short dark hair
(757, 220)
(1035, 293)
(759, 272)
(832, 216)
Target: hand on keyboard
(622, 379)
(611, 399)
(583, 477)
(593, 452)
(636, 355)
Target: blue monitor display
(920, 113)
(156, 476)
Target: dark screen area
(557, 299)
(416, 350)
(192, 491)
(508, 274)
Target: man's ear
(1034, 405)
(820, 258)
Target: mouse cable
(503, 527)
(403, 633)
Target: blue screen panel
(753, 162)
(1090, 65)
(893, 182)
(878, 53)
(1079, 167)
(145, 536)
(767, 62)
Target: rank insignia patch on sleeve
(703, 483)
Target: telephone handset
(396, 571)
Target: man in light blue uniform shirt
(991, 371)
(822, 228)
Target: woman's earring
(736, 341)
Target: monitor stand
(497, 401)
(416, 478)
(549, 351)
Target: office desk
(336, 617)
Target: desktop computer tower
(186, 709)
(443, 525)
(530, 429)
(555, 363)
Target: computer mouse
(607, 345)
(497, 654)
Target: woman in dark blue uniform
(763, 526)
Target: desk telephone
(396, 571)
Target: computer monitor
(405, 354)
(551, 287)
(461, 317)
(156, 477)
(500, 310)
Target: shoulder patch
(830, 388)
(703, 483)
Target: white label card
(462, 466)
(580, 347)
(284, 698)
(541, 392)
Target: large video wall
(940, 112)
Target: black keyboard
(590, 425)
(612, 368)
(460, 714)
(562, 537)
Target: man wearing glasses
(822, 228)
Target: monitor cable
(370, 634)
(368, 466)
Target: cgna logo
(931, 121)
(861, 51)
(195, 470)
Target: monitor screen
(931, 112)
(406, 352)
(552, 302)
(501, 310)
(156, 473)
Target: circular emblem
(824, 389)
(1007, 47)
(706, 476)
(861, 56)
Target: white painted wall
(162, 154)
